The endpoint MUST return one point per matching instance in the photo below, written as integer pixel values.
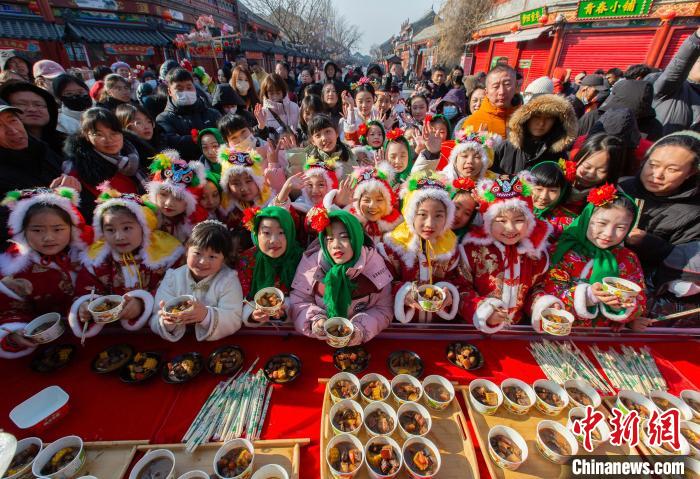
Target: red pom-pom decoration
(195, 134)
(603, 195)
(362, 129)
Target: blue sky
(379, 19)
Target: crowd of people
(353, 194)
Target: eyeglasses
(98, 136)
(33, 105)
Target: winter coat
(178, 122)
(635, 95)
(491, 284)
(347, 158)
(566, 283)
(36, 165)
(494, 118)
(286, 110)
(92, 169)
(371, 308)
(117, 275)
(521, 151)
(49, 134)
(677, 99)
(668, 220)
(221, 294)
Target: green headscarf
(574, 238)
(339, 287)
(215, 167)
(542, 213)
(402, 175)
(267, 268)
(363, 138)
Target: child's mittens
(20, 286)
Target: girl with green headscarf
(341, 275)
(398, 153)
(589, 250)
(550, 192)
(272, 262)
(209, 141)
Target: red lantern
(34, 7)
(514, 29)
(668, 15)
(167, 15)
(543, 19)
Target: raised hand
(433, 142)
(259, 114)
(344, 196)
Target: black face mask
(77, 103)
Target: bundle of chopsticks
(631, 369)
(235, 408)
(563, 360)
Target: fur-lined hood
(563, 132)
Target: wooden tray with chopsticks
(284, 452)
(109, 459)
(450, 433)
(535, 466)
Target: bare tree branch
(456, 21)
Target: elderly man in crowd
(495, 109)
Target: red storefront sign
(279, 57)
(254, 55)
(23, 45)
(135, 50)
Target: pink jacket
(372, 306)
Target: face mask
(450, 111)
(242, 87)
(245, 145)
(153, 83)
(77, 103)
(185, 98)
(231, 109)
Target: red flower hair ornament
(249, 215)
(466, 184)
(394, 134)
(568, 168)
(362, 129)
(602, 196)
(317, 219)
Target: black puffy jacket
(178, 122)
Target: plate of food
(112, 358)
(142, 366)
(106, 309)
(225, 360)
(21, 463)
(405, 362)
(557, 322)
(430, 298)
(182, 368)
(338, 331)
(179, 304)
(464, 355)
(622, 288)
(282, 368)
(53, 358)
(352, 359)
(44, 329)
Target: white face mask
(242, 87)
(245, 145)
(185, 98)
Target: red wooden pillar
(655, 54)
(554, 50)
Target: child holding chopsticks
(423, 249)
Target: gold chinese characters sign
(606, 9)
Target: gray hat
(5, 107)
(596, 81)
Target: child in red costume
(129, 257)
(589, 250)
(503, 259)
(175, 188)
(38, 270)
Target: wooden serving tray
(284, 452)
(109, 459)
(450, 433)
(536, 466)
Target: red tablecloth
(104, 408)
